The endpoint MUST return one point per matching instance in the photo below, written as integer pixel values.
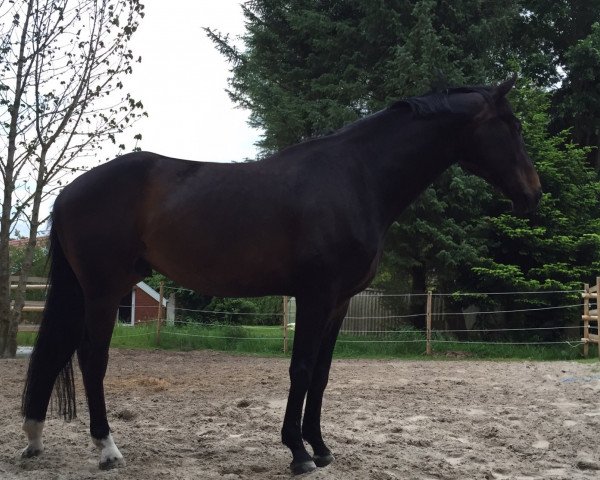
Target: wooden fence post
(428, 316)
(598, 314)
(586, 318)
(161, 296)
(285, 324)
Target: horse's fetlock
(290, 439)
(311, 433)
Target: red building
(22, 242)
(141, 305)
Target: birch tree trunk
(67, 58)
(10, 348)
(9, 173)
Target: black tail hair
(62, 321)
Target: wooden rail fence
(590, 315)
(34, 283)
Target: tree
(63, 63)
(578, 100)
(545, 32)
(557, 45)
(309, 67)
(558, 248)
(39, 266)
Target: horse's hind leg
(311, 423)
(100, 315)
(59, 335)
(52, 354)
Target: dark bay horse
(307, 222)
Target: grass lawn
(269, 341)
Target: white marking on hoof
(110, 457)
(33, 430)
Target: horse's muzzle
(527, 203)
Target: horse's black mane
(438, 102)
(425, 105)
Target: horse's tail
(60, 333)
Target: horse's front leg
(93, 360)
(311, 424)
(311, 319)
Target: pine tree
(558, 248)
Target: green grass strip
(268, 341)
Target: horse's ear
(501, 90)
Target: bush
(234, 311)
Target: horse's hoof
(323, 460)
(110, 463)
(303, 467)
(110, 457)
(30, 452)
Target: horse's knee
(320, 378)
(300, 374)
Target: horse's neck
(408, 160)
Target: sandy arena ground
(206, 415)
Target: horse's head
(492, 147)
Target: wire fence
(384, 318)
(526, 318)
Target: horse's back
(120, 179)
(124, 185)
(223, 229)
(194, 221)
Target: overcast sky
(181, 82)
(182, 79)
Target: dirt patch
(211, 415)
